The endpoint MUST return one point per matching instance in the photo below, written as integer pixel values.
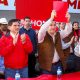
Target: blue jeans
(11, 72)
(53, 69)
(71, 63)
(2, 64)
(77, 63)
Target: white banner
(74, 5)
(7, 4)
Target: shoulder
(21, 28)
(32, 30)
(58, 33)
(3, 39)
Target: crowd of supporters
(56, 44)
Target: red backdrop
(38, 10)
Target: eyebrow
(16, 25)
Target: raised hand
(53, 14)
(68, 16)
(23, 38)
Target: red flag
(61, 9)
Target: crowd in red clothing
(16, 46)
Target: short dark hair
(12, 21)
(27, 17)
(75, 22)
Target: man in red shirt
(15, 49)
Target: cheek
(53, 29)
(17, 29)
(10, 28)
(14, 29)
(27, 23)
(75, 27)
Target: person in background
(15, 49)
(3, 31)
(71, 58)
(3, 26)
(77, 55)
(50, 47)
(27, 29)
(21, 23)
(76, 31)
(62, 26)
(67, 51)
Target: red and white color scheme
(74, 5)
(38, 10)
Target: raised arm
(68, 28)
(44, 27)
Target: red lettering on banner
(79, 4)
(5, 2)
(72, 3)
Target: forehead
(51, 27)
(62, 23)
(15, 23)
(75, 23)
(27, 19)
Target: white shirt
(63, 34)
(14, 36)
(65, 45)
(55, 57)
(77, 50)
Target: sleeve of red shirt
(28, 45)
(5, 49)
